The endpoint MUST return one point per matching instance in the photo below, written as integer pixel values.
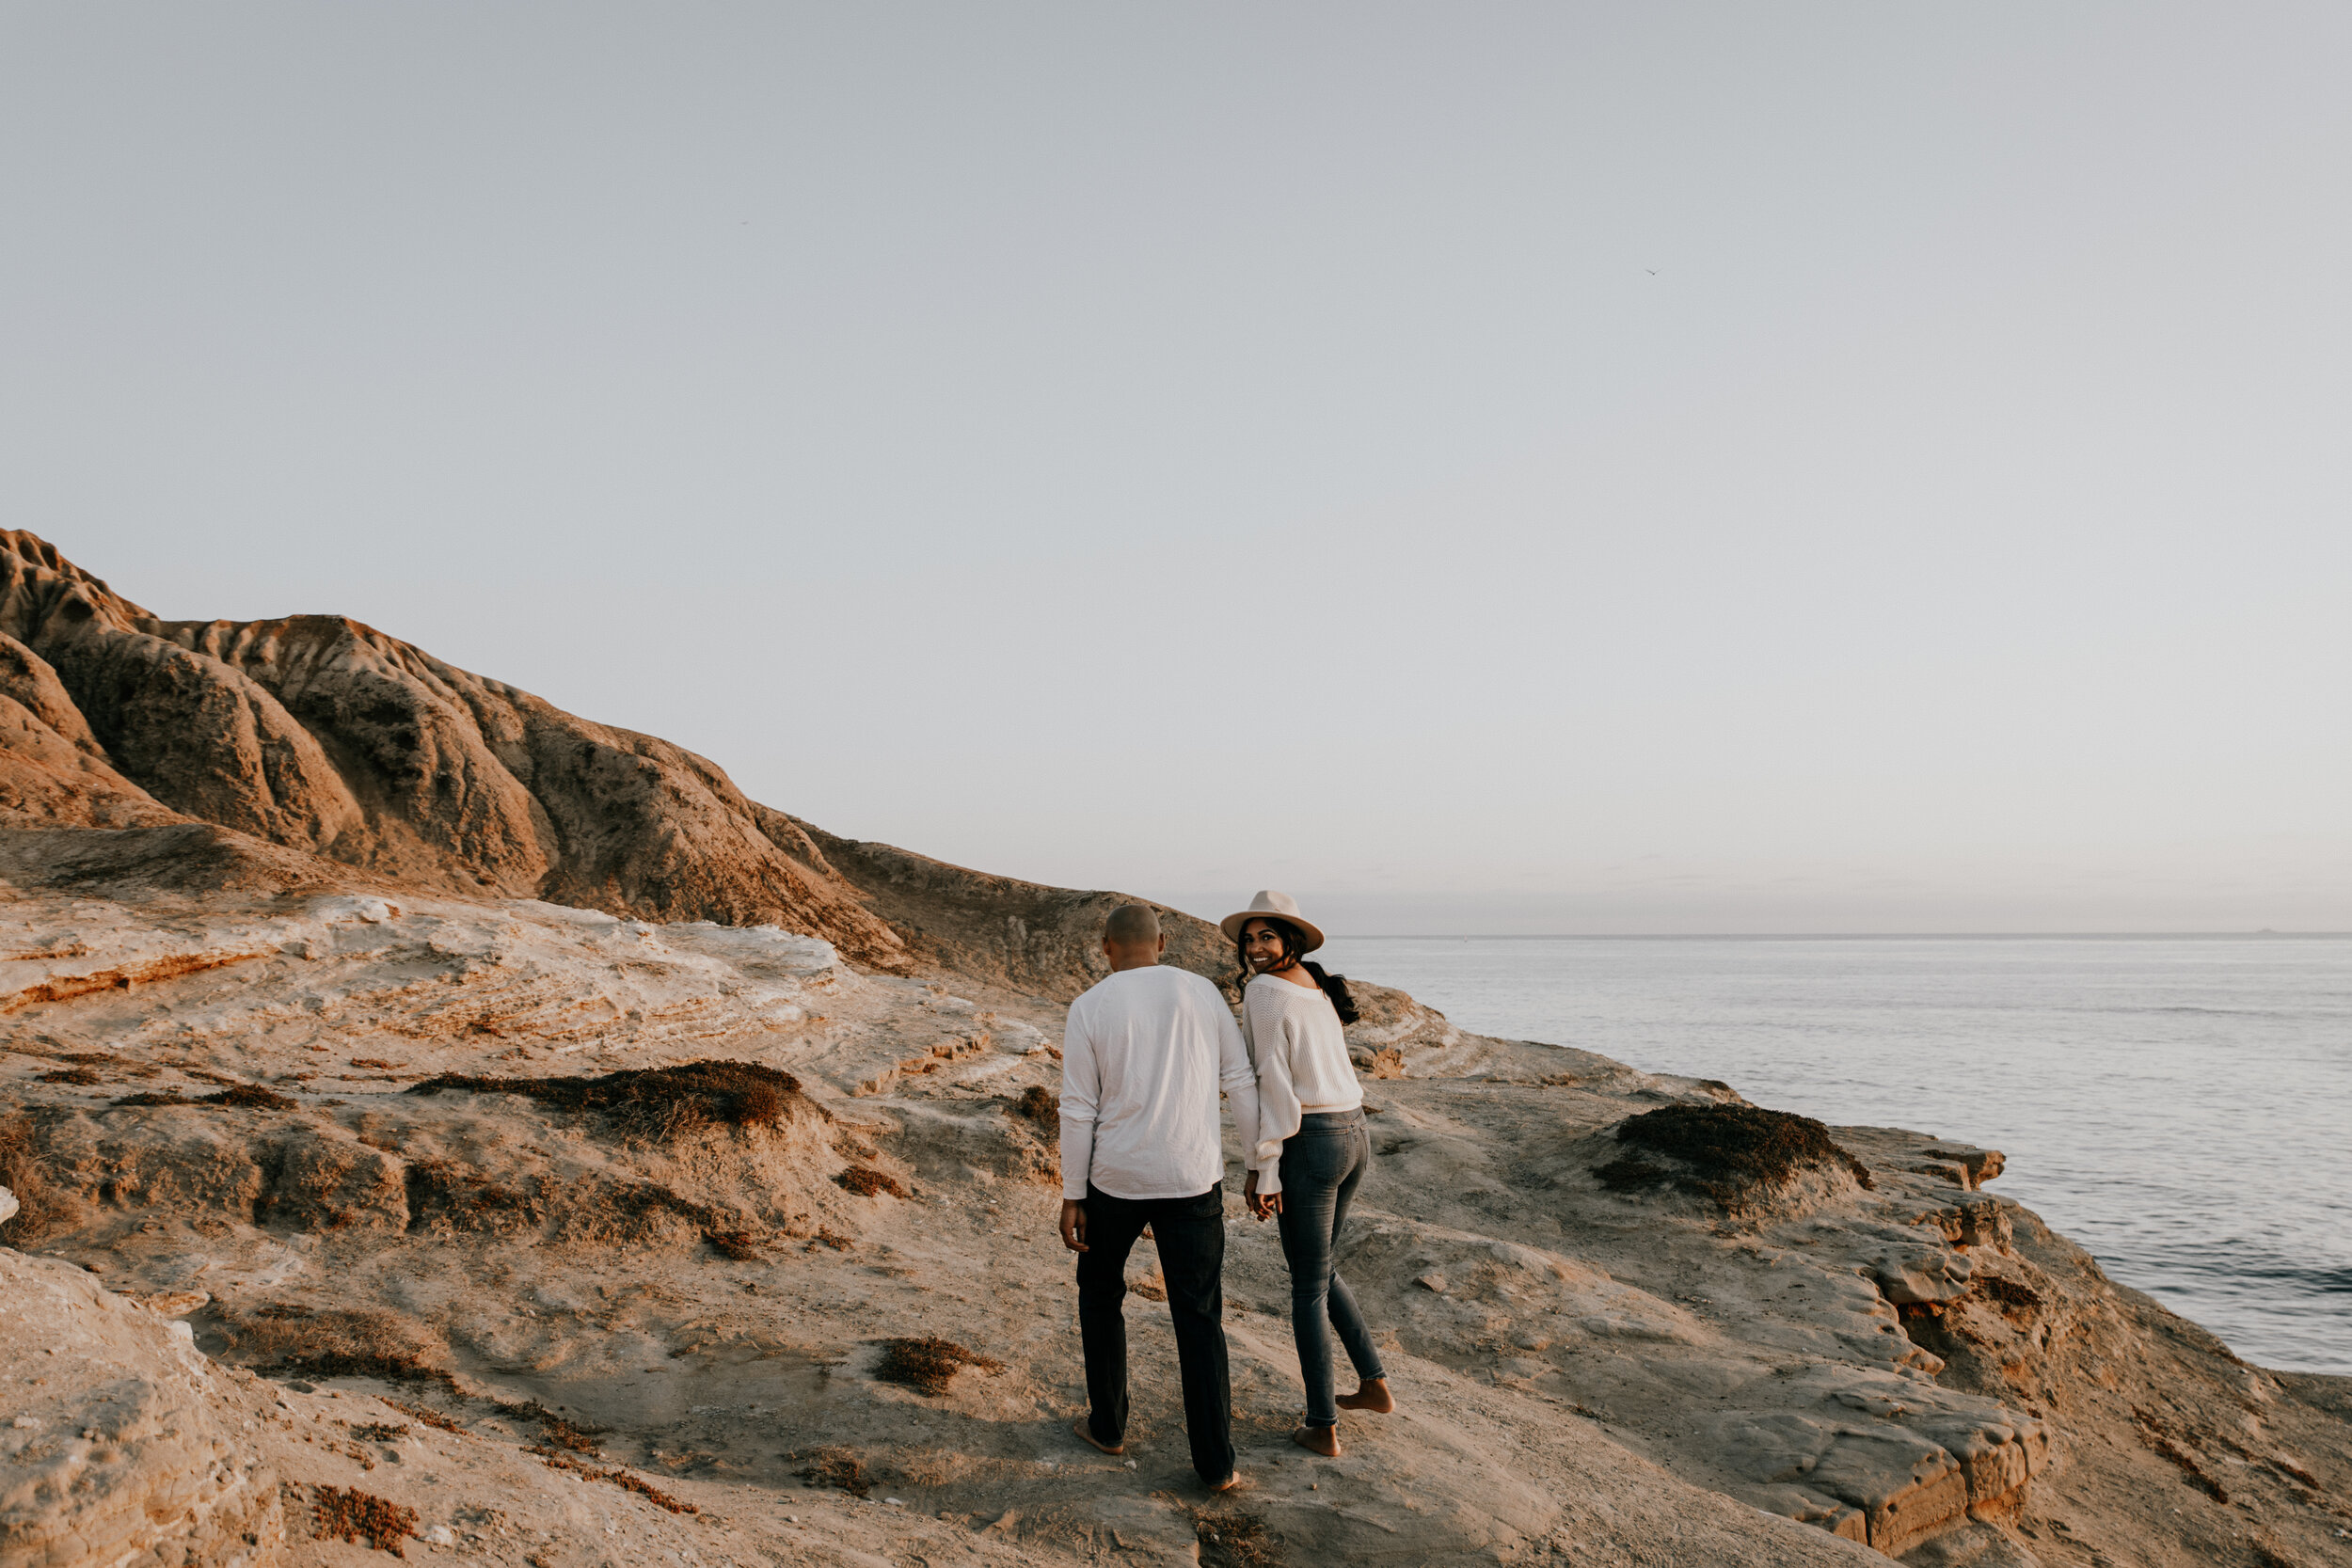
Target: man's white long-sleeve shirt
(1143, 1057)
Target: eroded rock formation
(328, 738)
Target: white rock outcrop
(119, 1444)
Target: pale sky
(1489, 468)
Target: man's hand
(1074, 1225)
(1260, 1207)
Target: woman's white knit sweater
(1301, 1056)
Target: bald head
(1131, 939)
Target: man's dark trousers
(1190, 1234)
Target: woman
(1308, 1151)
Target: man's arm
(1239, 1080)
(1081, 1090)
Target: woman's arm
(1271, 1033)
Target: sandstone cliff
(327, 737)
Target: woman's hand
(1260, 1207)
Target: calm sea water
(2181, 1106)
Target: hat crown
(1270, 902)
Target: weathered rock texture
(327, 737)
(119, 1442)
(221, 1110)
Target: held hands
(1260, 1207)
(1074, 1225)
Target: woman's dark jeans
(1322, 1163)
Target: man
(1143, 1056)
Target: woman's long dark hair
(1292, 939)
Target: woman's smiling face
(1261, 945)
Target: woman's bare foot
(1372, 1396)
(1321, 1440)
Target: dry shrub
(81, 1077)
(1387, 1062)
(1036, 1104)
(289, 1336)
(2009, 1292)
(662, 1104)
(248, 1097)
(570, 1437)
(622, 1478)
(739, 1245)
(1729, 1153)
(380, 1432)
(41, 1206)
(928, 1365)
(1235, 1540)
(430, 1416)
(865, 1181)
(347, 1515)
(444, 1190)
(827, 1236)
(838, 1468)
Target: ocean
(2180, 1106)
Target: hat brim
(1233, 924)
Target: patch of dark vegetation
(288, 1336)
(838, 1468)
(827, 1236)
(661, 1103)
(1235, 1540)
(42, 1204)
(344, 1513)
(928, 1365)
(427, 1414)
(557, 1430)
(1038, 1104)
(248, 1097)
(1732, 1154)
(739, 1245)
(2160, 1437)
(81, 1077)
(2008, 1292)
(446, 1192)
(865, 1181)
(96, 1059)
(556, 1460)
(380, 1432)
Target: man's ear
(1163, 946)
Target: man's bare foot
(1321, 1440)
(1372, 1396)
(1085, 1434)
(1228, 1483)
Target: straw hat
(1278, 906)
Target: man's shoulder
(1151, 984)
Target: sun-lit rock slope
(327, 737)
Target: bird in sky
(1652, 271)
